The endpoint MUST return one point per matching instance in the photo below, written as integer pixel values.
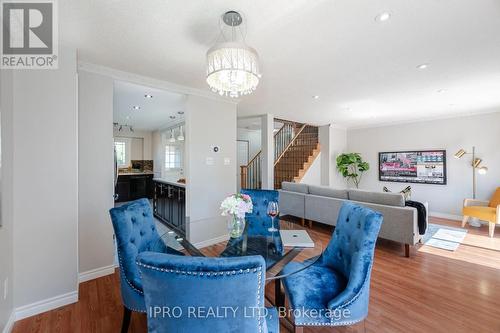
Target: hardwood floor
(433, 291)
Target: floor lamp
(476, 165)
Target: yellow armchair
(483, 210)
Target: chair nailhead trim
(259, 288)
(257, 270)
(122, 272)
(210, 273)
(339, 323)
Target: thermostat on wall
(215, 149)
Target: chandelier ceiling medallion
(232, 66)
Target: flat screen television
(421, 166)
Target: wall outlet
(5, 288)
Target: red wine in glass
(272, 211)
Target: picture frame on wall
(418, 166)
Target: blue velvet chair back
(182, 283)
(339, 281)
(352, 247)
(258, 220)
(135, 232)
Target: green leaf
(351, 166)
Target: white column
(326, 155)
(338, 145)
(267, 143)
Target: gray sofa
(322, 204)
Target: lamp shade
(460, 153)
(180, 137)
(482, 170)
(232, 69)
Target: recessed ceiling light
(172, 117)
(136, 107)
(315, 96)
(441, 91)
(382, 17)
(148, 96)
(423, 66)
(180, 112)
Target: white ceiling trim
(420, 120)
(150, 82)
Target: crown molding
(150, 82)
(425, 119)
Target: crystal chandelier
(232, 66)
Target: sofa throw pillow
(406, 192)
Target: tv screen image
(423, 166)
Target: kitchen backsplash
(144, 165)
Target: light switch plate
(227, 161)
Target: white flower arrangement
(237, 205)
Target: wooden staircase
(296, 146)
(298, 157)
(307, 164)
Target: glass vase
(236, 226)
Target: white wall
(338, 145)
(158, 153)
(333, 141)
(313, 174)
(209, 123)
(253, 137)
(45, 178)
(482, 131)
(267, 156)
(95, 173)
(147, 137)
(6, 230)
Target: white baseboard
(10, 323)
(212, 241)
(96, 273)
(45, 305)
(446, 216)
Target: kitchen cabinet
(132, 187)
(169, 205)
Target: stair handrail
(275, 135)
(290, 144)
(248, 172)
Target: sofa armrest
(475, 202)
(292, 203)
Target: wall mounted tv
(421, 166)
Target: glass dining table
(255, 240)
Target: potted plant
(236, 206)
(351, 166)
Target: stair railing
(251, 173)
(297, 152)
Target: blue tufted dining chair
(258, 221)
(180, 292)
(135, 232)
(337, 285)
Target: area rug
(442, 237)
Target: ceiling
(364, 72)
(153, 113)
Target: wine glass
(272, 211)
